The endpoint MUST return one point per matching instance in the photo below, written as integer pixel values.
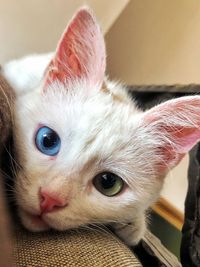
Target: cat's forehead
(80, 106)
(97, 124)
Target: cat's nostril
(49, 202)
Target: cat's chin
(36, 223)
(32, 222)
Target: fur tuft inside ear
(176, 125)
(80, 53)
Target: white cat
(88, 155)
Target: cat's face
(98, 134)
(87, 155)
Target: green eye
(109, 184)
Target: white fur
(84, 117)
(100, 131)
(26, 73)
(118, 142)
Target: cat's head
(86, 153)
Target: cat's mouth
(33, 222)
(37, 220)
(43, 222)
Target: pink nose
(50, 202)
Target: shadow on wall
(156, 42)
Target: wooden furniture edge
(169, 212)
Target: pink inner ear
(182, 140)
(186, 138)
(56, 70)
(80, 53)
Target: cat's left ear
(80, 53)
(173, 128)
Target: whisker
(12, 158)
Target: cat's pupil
(50, 139)
(108, 180)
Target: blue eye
(47, 141)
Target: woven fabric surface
(74, 249)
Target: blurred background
(148, 42)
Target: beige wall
(156, 42)
(28, 26)
(176, 184)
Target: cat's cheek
(133, 232)
(32, 223)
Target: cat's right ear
(172, 129)
(80, 53)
